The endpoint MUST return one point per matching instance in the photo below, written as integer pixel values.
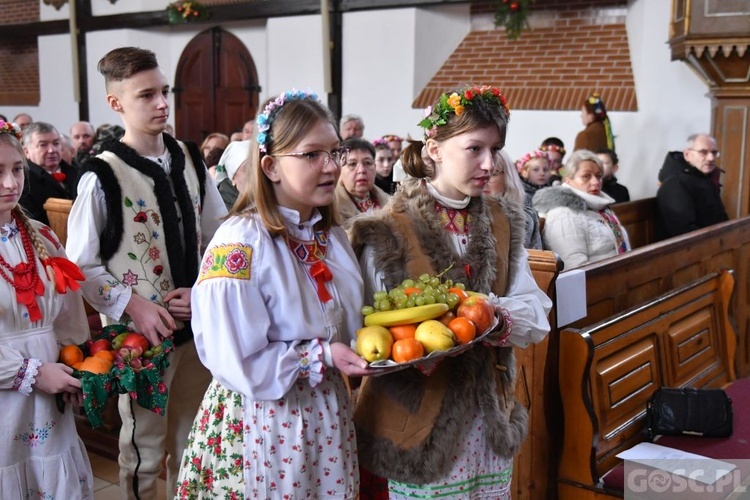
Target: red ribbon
(58, 176)
(67, 274)
(22, 279)
(467, 271)
(320, 273)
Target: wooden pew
(532, 465)
(639, 219)
(609, 370)
(58, 210)
(639, 276)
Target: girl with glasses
(275, 308)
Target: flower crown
(456, 103)
(391, 138)
(380, 143)
(553, 147)
(595, 102)
(538, 153)
(11, 128)
(265, 119)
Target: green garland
(512, 15)
(185, 11)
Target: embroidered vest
(148, 251)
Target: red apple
(479, 311)
(99, 345)
(136, 340)
(447, 318)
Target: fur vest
(407, 422)
(142, 243)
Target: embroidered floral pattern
(105, 291)
(148, 265)
(8, 230)
(36, 436)
(20, 375)
(227, 261)
(39, 494)
(454, 221)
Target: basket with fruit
(119, 360)
(423, 319)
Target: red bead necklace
(25, 275)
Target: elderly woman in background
(504, 182)
(214, 140)
(579, 225)
(356, 191)
(230, 172)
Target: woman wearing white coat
(579, 225)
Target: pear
(374, 343)
(434, 336)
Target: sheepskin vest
(407, 423)
(141, 244)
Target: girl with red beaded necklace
(275, 308)
(450, 429)
(40, 310)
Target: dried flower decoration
(265, 119)
(11, 128)
(522, 161)
(513, 15)
(184, 11)
(456, 103)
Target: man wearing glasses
(689, 196)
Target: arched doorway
(216, 86)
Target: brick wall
(19, 59)
(578, 48)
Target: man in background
(689, 197)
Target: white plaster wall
(388, 57)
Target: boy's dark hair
(553, 141)
(121, 64)
(612, 155)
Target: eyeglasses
(320, 157)
(704, 152)
(353, 164)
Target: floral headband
(553, 147)
(11, 128)
(380, 143)
(456, 103)
(538, 153)
(265, 119)
(595, 103)
(391, 138)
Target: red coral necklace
(25, 280)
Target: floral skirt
(302, 446)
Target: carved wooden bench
(609, 370)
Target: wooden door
(216, 86)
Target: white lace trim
(29, 378)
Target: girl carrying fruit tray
(41, 455)
(450, 431)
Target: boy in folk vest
(145, 206)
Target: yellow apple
(374, 343)
(434, 336)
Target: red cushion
(736, 446)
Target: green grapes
(423, 290)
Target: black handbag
(689, 412)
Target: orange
(403, 331)
(409, 290)
(407, 349)
(462, 295)
(95, 364)
(77, 366)
(108, 355)
(70, 355)
(463, 329)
